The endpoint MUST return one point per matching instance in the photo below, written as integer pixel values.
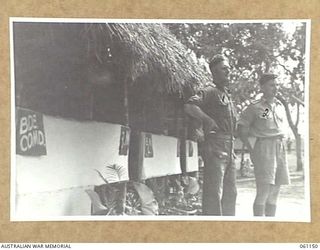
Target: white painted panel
(74, 150)
(164, 161)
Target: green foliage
(252, 48)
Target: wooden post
(126, 101)
(183, 147)
(242, 160)
(121, 202)
(90, 108)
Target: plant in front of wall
(119, 196)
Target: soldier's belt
(218, 135)
(276, 137)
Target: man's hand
(209, 125)
(251, 156)
(195, 112)
(243, 132)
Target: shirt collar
(275, 102)
(223, 89)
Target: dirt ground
(293, 203)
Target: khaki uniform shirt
(218, 105)
(264, 119)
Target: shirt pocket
(266, 121)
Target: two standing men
(213, 107)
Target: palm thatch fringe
(148, 49)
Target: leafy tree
(252, 49)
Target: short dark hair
(215, 60)
(267, 77)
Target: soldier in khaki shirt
(213, 108)
(264, 120)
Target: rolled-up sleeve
(201, 98)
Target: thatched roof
(56, 68)
(149, 48)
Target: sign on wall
(30, 135)
(124, 141)
(148, 151)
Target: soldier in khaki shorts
(264, 119)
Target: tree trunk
(294, 128)
(299, 152)
(242, 160)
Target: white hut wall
(54, 76)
